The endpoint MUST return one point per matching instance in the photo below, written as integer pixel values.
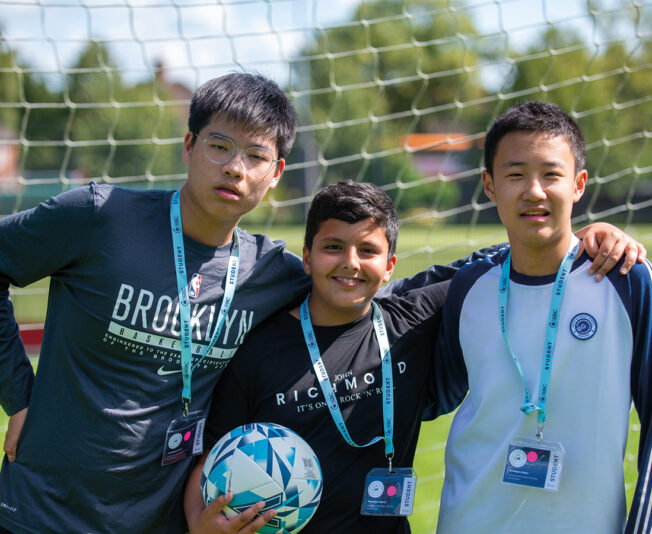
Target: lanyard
(327, 388)
(551, 331)
(184, 305)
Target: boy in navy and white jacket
(553, 359)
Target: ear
(187, 147)
(580, 184)
(306, 260)
(280, 167)
(488, 183)
(389, 269)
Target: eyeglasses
(258, 160)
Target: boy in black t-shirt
(349, 253)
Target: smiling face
(216, 196)
(534, 184)
(348, 262)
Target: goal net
(399, 93)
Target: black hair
(542, 117)
(352, 202)
(250, 100)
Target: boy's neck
(540, 261)
(320, 316)
(205, 230)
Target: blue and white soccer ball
(265, 462)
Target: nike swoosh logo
(163, 371)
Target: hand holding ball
(265, 462)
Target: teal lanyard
(551, 331)
(327, 388)
(184, 305)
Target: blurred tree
(10, 87)
(606, 87)
(114, 126)
(399, 67)
(22, 113)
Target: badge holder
(535, 464)
(389, 492)
(184, 438)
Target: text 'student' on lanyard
(184, 304)
(551, 331)
(327, 388)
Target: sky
(200, 39)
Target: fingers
(214, 521)
(589, 241)
(607, 245)
(14, 428)
(642, 252)
(217, 505)
(611, 250)
(631, 257)
(259, 522)
(245, 521)
(10, 448)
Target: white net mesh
(395, 92)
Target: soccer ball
(265, 462)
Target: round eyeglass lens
(256, 159)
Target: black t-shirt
(109, 375)
(271, 379)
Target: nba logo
(195, 282)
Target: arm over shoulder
(448, 384)
(436, 273)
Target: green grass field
(418, 248)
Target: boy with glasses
(151, 293)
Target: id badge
(534, 464)
(184, 438)
(389, 493)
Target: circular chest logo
(583, 326)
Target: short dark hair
(352, 202)
(250, 100)
(536, 116)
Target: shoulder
(415, 307)
(77, 198)
(470, 273)
(74, 206)
(641, 273)
(104, 201)
(634, 288)
(637, 280)
(111, 198)
(270, 333)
